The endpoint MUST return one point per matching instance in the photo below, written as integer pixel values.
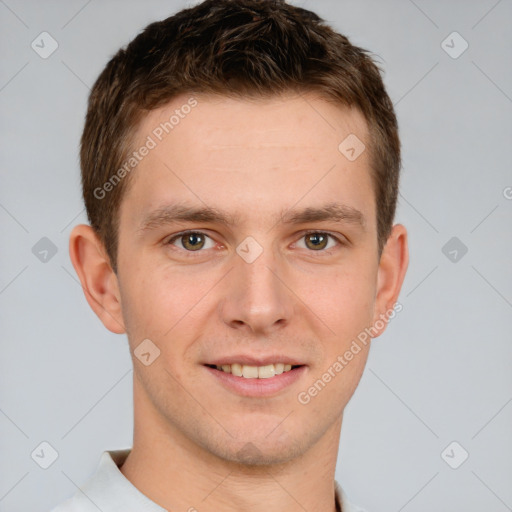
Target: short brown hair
(234, 48)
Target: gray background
(440, 373)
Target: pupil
(193, 239)
(317, 239)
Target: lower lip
(257, 387)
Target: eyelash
(304, 234)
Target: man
(240, 165)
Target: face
(248, 241)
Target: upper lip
(249, 360)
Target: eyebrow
(330, 212)
(175, 213)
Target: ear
(390, 276)
(99, 281)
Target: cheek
(350, 310)
(346, 301)
(163, 306)
(148, 306)
(332, 385)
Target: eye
(195, 241)
(319, 240)
(191, 241)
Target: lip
(256, 360)
(257, 387)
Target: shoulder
(100, 490)
(346, 504)
(77, 503)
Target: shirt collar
(109, 485)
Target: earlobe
(99, 281)
(391, 273)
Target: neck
(178, 474)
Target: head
(270, 137)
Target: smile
(254, 372)
(257, 381)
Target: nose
(257, 297)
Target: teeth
(255, 372)
(264, 372)
(236, 369)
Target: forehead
(272, 152)
(290, 119)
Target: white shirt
(109, 490)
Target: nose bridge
(257, 297)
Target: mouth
(249, 380)
(255, 372)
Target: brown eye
(316, 241)
(320, 242)
(192, 241)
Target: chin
(260, 450)
(254, 454)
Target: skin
(197, 444)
